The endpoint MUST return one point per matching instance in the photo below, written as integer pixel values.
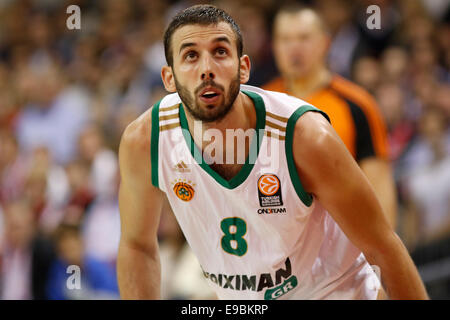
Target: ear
(168, 79)
(245, 67)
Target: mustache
(208, 83)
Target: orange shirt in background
(354, 115)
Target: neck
(218, 143)
(304, 86)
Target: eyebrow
(185, 45)
(222, 39)
(191, 44)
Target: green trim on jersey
(254, 148)
(304, 196)
(154, 144)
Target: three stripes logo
(269, 191)
(181, 167)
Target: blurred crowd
(67, 95)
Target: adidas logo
(181, 167)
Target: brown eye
(190, 56)
(221, 51)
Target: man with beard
(294, 218)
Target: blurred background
(67, 95)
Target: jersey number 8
(234, 230)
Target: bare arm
(328, 171)
(140, 203)
(378, 172)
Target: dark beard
(193, 107)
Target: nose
(207, 75)
(207, 72)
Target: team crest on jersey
(269, 191)
(184, 190)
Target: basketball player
(297, 220)
(301, 43)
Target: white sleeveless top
(258, 235)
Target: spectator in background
(81, 194)
(13, 167)
(41, 41)
(394, 65)
(420, 153)
(101, 229)
(401, 130)
(45, 185)
(53, 115)
(416, 25)
(35, 178)
(442, 98)
(154, 52)
(101, 161)
(77, 196)
(16, 262)
(35, 188)
(98, 280)
(339, 15)
(300, 46)
(101, 220)
(428, 185)
(26, 255)
(366, 72)
(83, 68)
(8, 101)
(254, 27)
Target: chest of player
(232, 221)
(242, 218)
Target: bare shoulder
(313, 132)
(138, 133)
(318, 150)
(135, 143)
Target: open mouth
(209, 95)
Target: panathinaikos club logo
(183, 189)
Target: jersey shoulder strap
(164, 117)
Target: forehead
(301, 22)
(196, 33)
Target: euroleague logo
(269, 191)
(268, 184)
(184, 191)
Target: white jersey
(258, 235)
